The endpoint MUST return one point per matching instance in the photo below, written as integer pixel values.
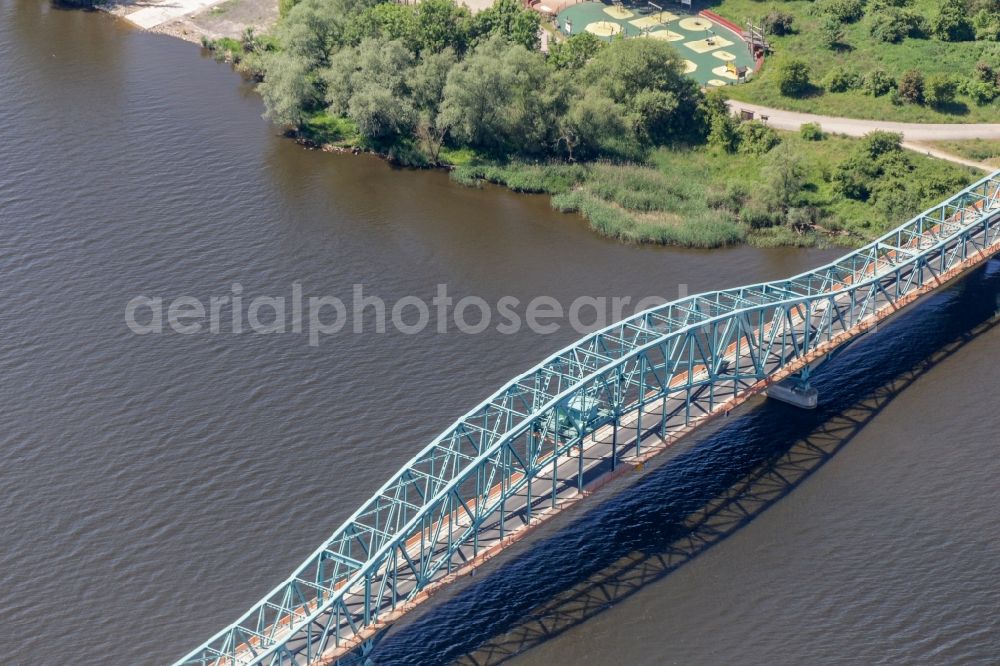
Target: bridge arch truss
(622, 393)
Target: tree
(442, 24)
(878, 143)
(314, 29)
(645, 77)
(952, 23)
(984, 86)
(981, 92)
(381, 115)
(510, 21)
(374, 61)
(428, 78)
(498, 100)
(386, 21)
(786, 176)
(793, 78)
(288, 89)
(575, 52)
(984, 72)
(911, 87)
(369, 84)
(427, 82)
(594, 125)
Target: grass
(981, 150)
(459, 156)
(697, 197)
(864, 53)
(322, 128)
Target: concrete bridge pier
(796, 391)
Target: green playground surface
(710, 51)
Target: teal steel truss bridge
(585, 414)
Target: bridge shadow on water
(695, 500)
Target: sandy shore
(193, 19)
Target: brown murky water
(153, 487)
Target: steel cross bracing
(512, 457)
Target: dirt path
(930, 150)
(914, 134)
(792, 120)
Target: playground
(712, 54)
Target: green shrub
(880, 5)
(845, 11)
(892, 24)
(778, 23)
(952, 23)
(802, 218)
(940, 90)
(758, 216)
(981, 92)
(878, 143)
(985, 72)
(878, 154)
(724, 133)
(812, 132)
(756, 138)
(841, 79)
(911, 87)
(877, 83)
(731, 199)
(987, 25)
(793, 78)
(831, 32)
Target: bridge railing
(689, 357)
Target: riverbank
(700, 197)
(691, 176)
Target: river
(152, 487)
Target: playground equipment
(755, 40)
(658, 12)
(739, 71)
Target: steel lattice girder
(717, 343)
